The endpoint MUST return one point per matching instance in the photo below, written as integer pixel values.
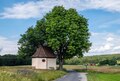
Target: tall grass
(103, 69)
(47, 76)
(28, 74)
(9, 76)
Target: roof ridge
(44, 51)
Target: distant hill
(96, 59)
(107, 56)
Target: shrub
(108, 62)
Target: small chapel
(44, 58)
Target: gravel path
(73, 76)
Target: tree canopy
(64, 30)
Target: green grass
(26, 73)
(103, 77)
(98, 73)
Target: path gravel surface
(73, 76)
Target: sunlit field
(103, 76)
(98, 73)
(26, 73)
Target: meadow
(98, 73)
(104, 73)
(26, 73)
(103, 77)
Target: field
(26, 73)
(101, 73)
(103, 77)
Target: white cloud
(109, 39)
(103, 48)
(8, 46)
(104, 43)
(35, 9)
(117, 48)
(21, 10)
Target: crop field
(26, 73)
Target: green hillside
(110, 59)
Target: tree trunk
(60, 62)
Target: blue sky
(103, 19)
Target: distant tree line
(95, 60)
(114, 59)
(13, 60)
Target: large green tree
(65, 31)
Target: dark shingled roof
(43, 52)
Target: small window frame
(43, 60)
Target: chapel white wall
(51, 63)
(38, 64)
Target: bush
(108, 62)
